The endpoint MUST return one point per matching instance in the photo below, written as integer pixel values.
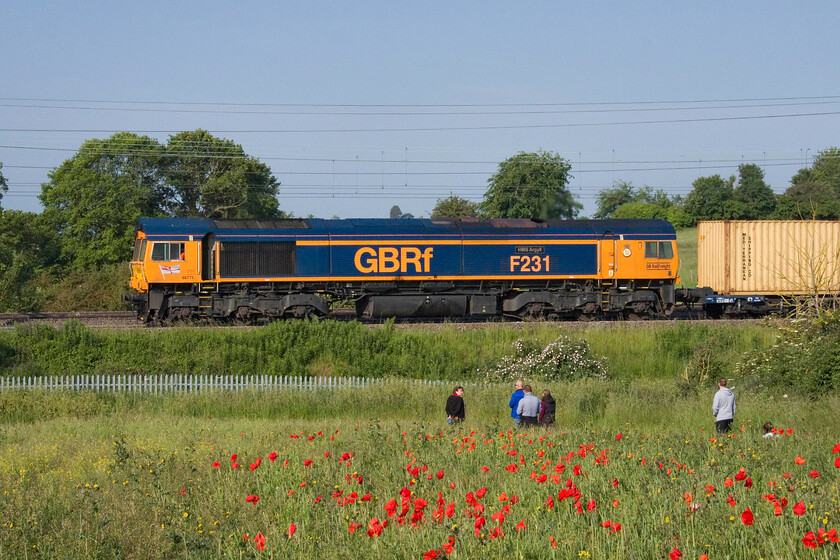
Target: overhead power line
(432, 105)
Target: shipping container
(769, 257)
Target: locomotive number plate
(529, 263)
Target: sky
(360, 106)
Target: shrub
(805, 358)
(564, 359)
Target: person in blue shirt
(514, 403)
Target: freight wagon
(757, 267)
(523, 269)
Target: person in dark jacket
(455, 409)
(547, 409)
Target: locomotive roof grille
(260, 224)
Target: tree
(395, 212)
(758, 198)
(708, 198)
(531, 185)
(4, 186)
(808, 200)
(455, 207)
(27, 245)
(214, 177)
(94, 198)
(611, 199)
(815, 191)
(640, 210)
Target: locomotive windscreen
(261, 258)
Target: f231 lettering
(529, 263)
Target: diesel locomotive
(456, 267)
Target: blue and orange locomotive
(453, 267)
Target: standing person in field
(547, 406)
(514, 402)
(455, 409)
(528, 408)
(723, 407)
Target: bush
(564, 359)
(805, 358)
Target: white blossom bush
(564, 359)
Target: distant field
(687, 249)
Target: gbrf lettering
(393, 259)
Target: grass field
(687, 249)
(628, 471)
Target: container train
(256, 270)
(293, 268)
(754, 268)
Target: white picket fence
(178, 383)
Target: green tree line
(83, 238)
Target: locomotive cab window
(168, 252)
(659, 250)
(139, 250)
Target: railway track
(114, 319)
(128, 319)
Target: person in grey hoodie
(723, 407)
(529, 407)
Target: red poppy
(480, 493)
(799, 461)
(777, 508)
(485, 468)
(431, 555)
(814, 474)
(748, 483)
(233, 458)
(728, 482)
(618, 437)
(520, 526)
(553, 542)
(479, 523)
(251, 498)
(449, 545)
(675, 554)
(259, 541)
(234, 465)
(590, 505)
(366, 498)
(353, 526)
(836, 448)
(799, 508)
(616, 527)
(741, 475)
(307, 462)
(439, 475)
(837, 463)
(216, 465)
(291, 530)
(272, 456)
(747, 517)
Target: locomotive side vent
(259, 259)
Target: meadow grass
(687, 250)
(134, 478)
(330, 348)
